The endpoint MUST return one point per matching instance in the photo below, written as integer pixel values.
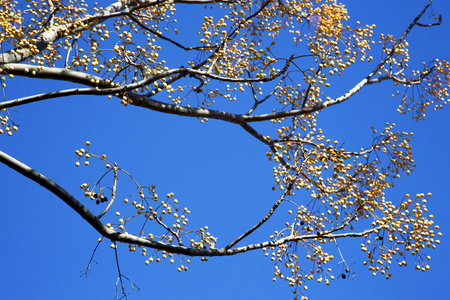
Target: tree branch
(113, 192)
(105, 87)
(55, 33)
(142, 101)
(63, 74)
(132, 239)
(146, 102)
(350, 93)
(57, 190)
(133, 17)
(266, 217)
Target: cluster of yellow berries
(346, 188)
(7, 127)
(393, 233)
(93, 191)
(433, 90)
(148, 207)
(426, 88)
(353, 191)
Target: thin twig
(88, 268)
(120, 274)
(169, 230)
(113, 193)
(266, 217)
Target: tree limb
(132, 239)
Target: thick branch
(146, 102)
(55, 189)
(63, 74)
(91, 218)
(104, 87)
(86, 79)
(132, 239)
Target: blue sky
(219, 172)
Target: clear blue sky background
(217, 170)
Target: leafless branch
(113, 193)
(266, 217)
(135, 19)
(177, 249)
(431, 24)
(177, 236)
(258, 102)
(119, 279)
(256, 134)
(88, 268)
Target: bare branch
(149, 103)
(57, 190)
(177, 236)
(178, 249)
(50, 95)
(88, 216)
(113, 193)
(256, 134)
(88, 268)
(266, 217)
(63, 74)
(133, 17)
(399, 41)
(120, 274)
(431, 24)
(293, 238)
